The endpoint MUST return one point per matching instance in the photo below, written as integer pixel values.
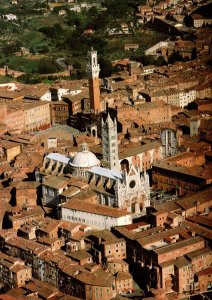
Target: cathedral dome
(85, 158)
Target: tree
(147, 60)
(118, 8)
(52, 31)
(160, 61)
(77, 19)
(29, 79)
(101, 21)
(175, 56)
(77, 65)
(46, 66)
(141, 2)
(105, 67)
(194, 53)
(58, 8)
(136, 55)
(43, 49)
(80, 74)
(9, 49)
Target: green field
(5, 79)
(50, 36)
(23, 64)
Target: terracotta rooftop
(69, 84)
(205, 272)
(27, 185)
(70, 192)
(103, 236)
(123, 276)
(7, 144)
(77, 97)
(181, 262)
(10, 261)
(132, 149)
(198, 229)
(129, 234)
(167, 263)
(47, 224)
(37, 211)
(197, 17)
(197, 253)
(33, 104)
(98, 278)
(14, 296)
(66, 225)
(7, 234)
(18, 268)
(154, 237)
(134, 226)
(11, 95)
(37, 91)
(58, 258)
(27, 228)
(56, 182)
(43, 289)
(204, 220)
(47, 240)
(178, 245)
(87, 196)
(201, 172)
(80, 255)
(95, 209)
(28, 245)
(195, 199)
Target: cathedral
(118, 185)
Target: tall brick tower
(93, 70)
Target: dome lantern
(84, 160)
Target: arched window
(125, 165)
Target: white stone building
(169, 142)
(58, 93)
(99, 216)
(187, 97)
(10, 17)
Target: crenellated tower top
(92, 67)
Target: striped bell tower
(110, 142)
